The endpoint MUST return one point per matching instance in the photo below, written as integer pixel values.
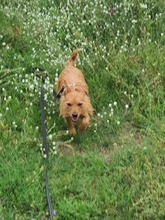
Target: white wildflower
(134, 21)
(118, 122)
(98, 114)
(115, 103)
(126, 106)
(144, 6)
(50, 136)
(45, 156)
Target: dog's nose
(74, 114)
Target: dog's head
(73, 103)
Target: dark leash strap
(45, 146)
(43, 129)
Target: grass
(115, 170)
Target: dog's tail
(72, 59)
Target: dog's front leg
(84, 123)
(71, 128)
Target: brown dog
(74, 103)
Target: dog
(75, 105)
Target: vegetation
(114, 170)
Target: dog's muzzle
(74, 117)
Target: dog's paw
(72, 132)
(84, 124)
(82, 127)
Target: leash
(41, 73)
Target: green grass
(115, 170)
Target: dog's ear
(67, 88)
(86, 92)
(79, 89)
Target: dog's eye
(79, 104)
(69, 104)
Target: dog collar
(60, 92)
(71, 85)
(63, 88)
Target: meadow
(114, 170)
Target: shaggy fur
(74, 103)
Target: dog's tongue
(74, 119)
